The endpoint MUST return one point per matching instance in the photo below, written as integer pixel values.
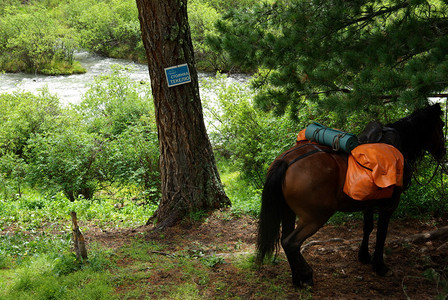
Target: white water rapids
(70, 88)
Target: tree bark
(189, 177)
(79, 243)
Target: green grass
(39, 278)
(36, 261)
(32, 210)
(245, 199)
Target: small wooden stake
(79, 242)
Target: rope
(317, 132)
(432, 177)
(336, 144)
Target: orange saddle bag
(373, 171)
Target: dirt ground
(417, 270)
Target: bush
(427, 194)
(66, 160)
(23, 115)
(247, 137)
(202, 17)
(131, 159)
(109, 28)
(35, 42)
(121, 111)
(110, 138)
(13, 170)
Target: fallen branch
(164, 253)
(438, 234)
(312, 243)
(443, 248)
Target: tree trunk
(79, 243)
(190, 180)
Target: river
(70, 88)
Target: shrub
(109, 28)
(66, 160)
(121, 111)
(249, 138)
(202, 17)
(33, 41)
(23, 115)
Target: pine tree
(189, 176)
(344, 55)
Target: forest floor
(213, 259)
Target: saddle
(375, 132)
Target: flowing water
(70, 88)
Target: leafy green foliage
(109, 139)
(35, 257)
(121, 112)
(34, 41)
(42, 35)
(66, 160)
(344, 55)
(246, 140)
(23, 115)
(202, 17)
(427, 193)
(109, 28)
(39, 278)
(249, 138)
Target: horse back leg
(302, 273)
(363, 254)
(288, 222)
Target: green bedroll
(337, 139)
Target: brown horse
(307, 181)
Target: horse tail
(272, 205)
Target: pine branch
(382, 11)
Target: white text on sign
(177, 75)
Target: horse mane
(413, 130)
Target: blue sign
(177, 75)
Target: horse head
(436, 137)
(422, 131)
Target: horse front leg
(378, 256)
(363, 254)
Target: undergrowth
(36, 261)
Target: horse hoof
(308, 283)
(364, 257)
(381, 270)
(304, 283)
